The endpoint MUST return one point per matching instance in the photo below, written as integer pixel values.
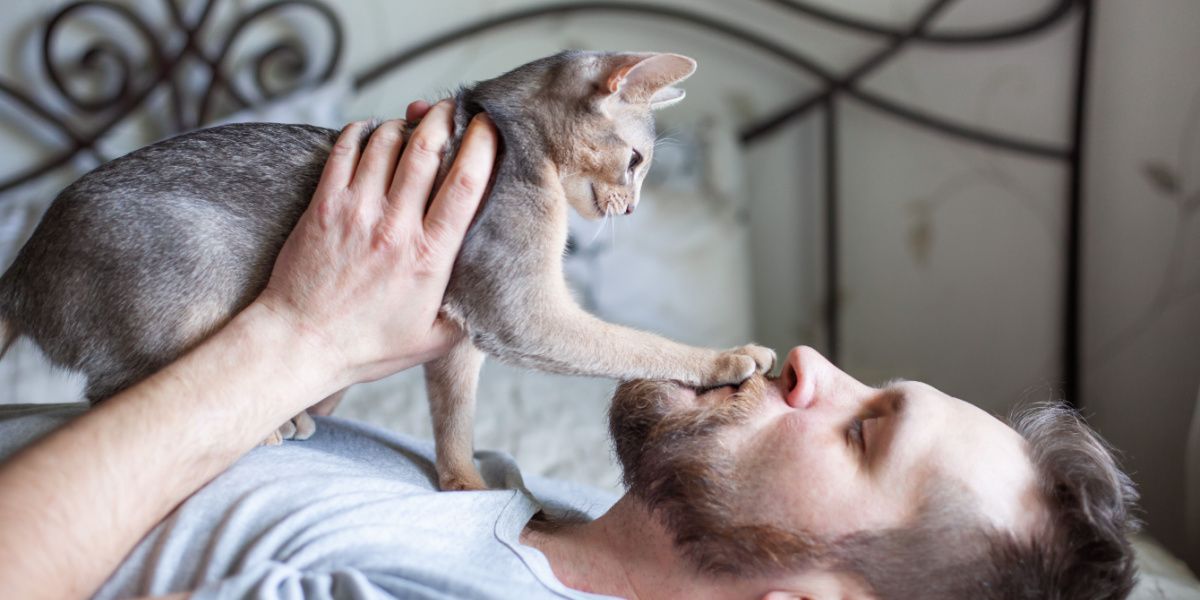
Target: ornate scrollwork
(106, 82)
(98, 58)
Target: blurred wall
(1142, 276)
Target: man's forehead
(988, 459)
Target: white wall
(1142, 276)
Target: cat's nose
(629, 209)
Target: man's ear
(645, 78)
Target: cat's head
(591, 112)
(611, 137)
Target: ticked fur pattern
(144, 257)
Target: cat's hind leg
(451, 383)
(299, 427)
(302, 426)
(326, 407)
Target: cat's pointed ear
(666, 97)
(642, 77)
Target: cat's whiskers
(612, 240)
(666, 140)
(600, 228)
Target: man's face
(818, 452)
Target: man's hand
(354, 296)
(366, 267)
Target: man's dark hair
(1081, 551)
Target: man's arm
(74, 504)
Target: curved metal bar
(924, 119)
(971, 134)
(218, 78)
(32, 106)
(1073, 303)
(372, 74)
(96, 53)
(289, 55)
(111, 108)
(801, 107)
(1034, 24)
(33, 173)
(827, 98)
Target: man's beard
(672, 462)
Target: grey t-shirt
(352, 512)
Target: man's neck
(626, 552)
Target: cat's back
(164, 242)
(212, 186)
(240, 166)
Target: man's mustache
(667, 409)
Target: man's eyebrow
(895, 399)
(891, 396)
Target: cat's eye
(635, 160)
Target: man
(812, 485)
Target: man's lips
(720, 393)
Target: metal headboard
(90, 118)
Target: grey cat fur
(144, 257)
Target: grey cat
(144, 257)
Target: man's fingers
(458, 199)
(420, 162)
(343, 157)
(379, 159)
(416, 111)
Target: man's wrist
(304, 355)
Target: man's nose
(811, 381)
(800, 374)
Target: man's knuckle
(325, 210)
(465, 184)
(434, 239)
(388, 132)
(387, 137)
(343, 148)
(424, 148)
(359, 218)
(385, 241)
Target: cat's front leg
(562, 337)
(451, 383)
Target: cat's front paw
(736, 365)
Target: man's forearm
(75, 503)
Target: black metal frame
(96, 116)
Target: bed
(698, 222)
